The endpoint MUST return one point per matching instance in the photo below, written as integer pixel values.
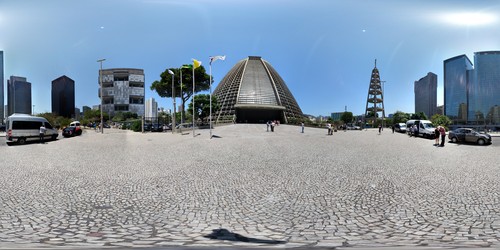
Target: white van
(425, 128)
(21, 128)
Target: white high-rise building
(151, 109)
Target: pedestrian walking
(272, 126)
(302, 125)
(379, 129)
(393, 129)
(329, 127)
(436, 135)
(443, 135)
(42, 133)
(268, 123)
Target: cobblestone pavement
(249, 188)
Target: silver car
(469, 135)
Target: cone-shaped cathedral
(254, 92)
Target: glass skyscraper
(63, 97)
(426, 95)
(2, 115)
(472, 95)
(18, 95)
(456, 79)
(484, 91)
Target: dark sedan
(469, 135)
(71, 131)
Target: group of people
(440, 131)
(272, 124)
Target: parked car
(71, 131)
(469, 135)
(400, 127)
(353, 127)
(156, 128)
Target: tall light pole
(383, 112)
(100, 84)
(213, 59)
(173, 98)
(210, 84)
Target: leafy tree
(440, 120)
(136, 126)
(164, 86)
(419, 116)
(400, 117)
(123, 116)
(94, 115)
(347, 117)
(202, 106)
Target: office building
(456, 79)
(151, 109)
(123, 91)
(426, 95)
(2, 102)
(18, 95)
(484, 89)
(471, 93)
(253, 91)
(63, 97)
(85, 108)
(336, 116)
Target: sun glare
(469, 18)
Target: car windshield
(428, 126)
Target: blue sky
(323, 49)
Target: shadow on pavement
(224, 234)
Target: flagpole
(193, 100)
(182, 110)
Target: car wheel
(54, 137)
(480, 141)
(454, 139)
(21, 141)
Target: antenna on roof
(375, 63)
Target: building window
(136, 100)
(136, 84)
(120, 78)
(121, 107)
(108, 100)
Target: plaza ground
(246, 187)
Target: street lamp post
(383, 112)
(173, 98)
(210, 84)
(100, 84)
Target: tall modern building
(426, 95)
(63, 97)
(123, 91)
(151, 109)
(484, 89)
(2, 102)
(456, 79)
(18, 95)
(471, 94)
(253, 91)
